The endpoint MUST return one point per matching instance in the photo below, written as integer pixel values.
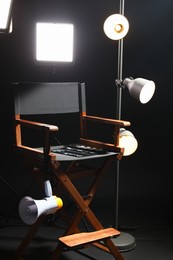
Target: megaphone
(30, 209)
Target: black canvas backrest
(49, 97)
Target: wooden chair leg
(28, 238)
(83, 210)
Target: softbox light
(5, 16)
(54, 42)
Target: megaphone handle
(48, 188)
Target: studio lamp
(140, 89)
(5, 16)
(127, 141)
(116, 26)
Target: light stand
(5, 22)
(5, 18)
(124, 241)
(6, 28)
(116, 27)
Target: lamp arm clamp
(120, 83)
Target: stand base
(124, 242)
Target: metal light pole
(124, 241)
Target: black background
(145, 176)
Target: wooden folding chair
(65, 164)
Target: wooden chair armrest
(34, 155)
(107, 120)
(37, 125)
(101, 145)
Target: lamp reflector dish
(147, 92)
(116, 26)
(140, 89)
(54, 42)
(127, 141)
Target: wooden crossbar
(87, 237)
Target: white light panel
(5, 13)
(54, 42)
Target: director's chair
(65, 161)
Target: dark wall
(147, 174)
